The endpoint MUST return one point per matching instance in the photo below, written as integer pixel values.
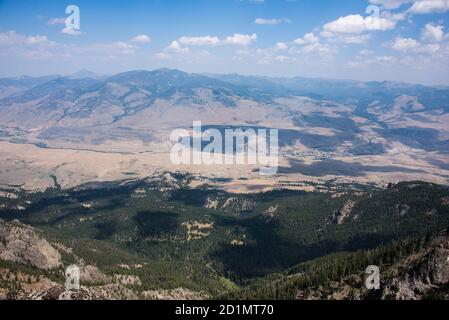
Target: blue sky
(404, 40)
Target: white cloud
(365, 52)
(323, 50)
(65, 30)
(405, 44)
(429, 48)
(352, 39)
(13, 44)
(371, 61)
(395, 17)
(307, 39)
(417, 6)
(236, 39)
(9, 38)
(390, 4)
(320, 49)
(273, 21)
(175, 47)
(240, 39)
(71, 32)
(429, 6)
(12, 38)
(56, 21)
(280, 46)
(199, 41)
(345, 38)
(356, 24)
(141, 38)
(36, 39)
(433, 33)
(124, 47)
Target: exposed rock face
(426, 272)
(271, 211)
(229, 203)
(445, 201)
(175, 294)
(113, 291)
(22, 244)
(28, 283)
(197, 230)
(91, 275)
(339, 216)
(413, 278)
(106, 292)
(127, 280)
(211, 203)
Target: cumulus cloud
(71, 32)
(390, 4)
(175, 47)
(307, 39)
(416, 6)
(12, 38)
(429, 6)
(13, 44)
(141, 38)
(65, 30)
(404, 44)
(323, 50)
(433, 33)
(123, 47)
(356, 24)
(199, 41)
(320, 49)
(273, 21)
(350, 38)
(280, 46)
(371, 61)
(240, 39)
(236, 39)
(36, 39)
(56, 21)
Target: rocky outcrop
(175, 294)
(339, 216)
(91, 275)
(415, 277)
(420, 274)
(127, 280)
(22, 244)
(106, 292)
(229, 203)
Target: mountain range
(164, 98)
(86, 179)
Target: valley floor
(35, 168)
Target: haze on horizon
(397, 40)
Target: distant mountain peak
(83, 73)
